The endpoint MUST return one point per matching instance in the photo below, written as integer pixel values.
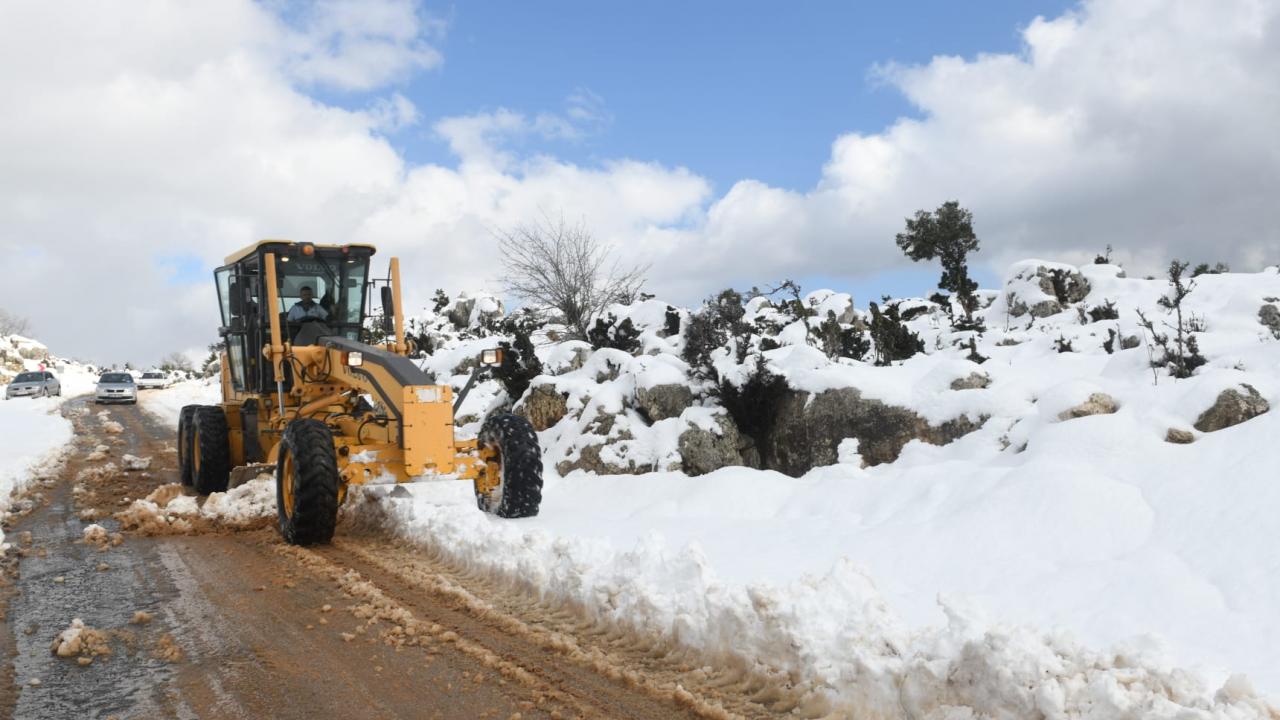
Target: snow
(166, 403)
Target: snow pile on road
(250, 502)
(167, 511)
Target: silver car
(33, 384)
(116, 387)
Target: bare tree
(11, 324)
(176, 361)
(564, 266)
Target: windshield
(29, 377)
(336, 285)
(116, 378)
(152, 376)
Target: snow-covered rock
(1233, 406)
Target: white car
(153, 381)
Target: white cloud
(361, 45)
(185, 129)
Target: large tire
(186, 431)
(519, 494)
(307, 483)
(211, 450)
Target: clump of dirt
(89, 514)
(147, 518)
(95, 534)
(113, 427)
(164, 494)
(80, 640)
(141, 617)
(166, 649)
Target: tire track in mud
(568, 653)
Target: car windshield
(116, 378)
(29, 377)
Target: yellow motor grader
(305, 396)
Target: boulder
(1232, 408)
(1037, 283)
(663, 401)
(1269, 315)
(972, 381)
(809, 429)
(469, 312)
(703, 451)
(543, 406)
(1097, 404)
(1179, 437)
(1075, 287)
(1130, 342)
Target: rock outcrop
(663, 401)
(543, 406)
(1232, 408)
(703, 451)
(809, 428)
(1269, 315)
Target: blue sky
(731, 91)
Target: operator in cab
(307, 308)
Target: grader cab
(305, 398)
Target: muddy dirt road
(235, 624)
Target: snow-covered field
(1044, 564)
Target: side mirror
(388, 310)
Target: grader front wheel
(509, 442)
(307, 483)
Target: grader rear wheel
(510, 441)
(210, 450)
(186, 429)
(307, 483)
